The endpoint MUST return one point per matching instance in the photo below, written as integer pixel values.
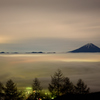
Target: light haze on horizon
(48, 25)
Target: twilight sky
(48, 25)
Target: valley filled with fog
(23, 68)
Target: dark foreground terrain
(90, 96)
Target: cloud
(40, 20)
(55, 4)
(24, 73)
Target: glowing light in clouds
(5, 39)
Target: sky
(48, 25)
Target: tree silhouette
(11, 92)
(31, 97)
(61, 85)
(81, 88)
(36, 87)
(67, 86)
(1, 91)
(56, 83)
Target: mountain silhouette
(90, 47)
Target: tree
(11, 92)
(36, 87)
(81, 88)
(67, 87)
(30, 97)
(56, 83)
(1, 91)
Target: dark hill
(90, 96)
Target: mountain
(90, 47)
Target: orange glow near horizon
(5, 39)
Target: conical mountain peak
(89, 44)
(90, 47)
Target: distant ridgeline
(27, 52)
(90, 47)
(8, 52)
